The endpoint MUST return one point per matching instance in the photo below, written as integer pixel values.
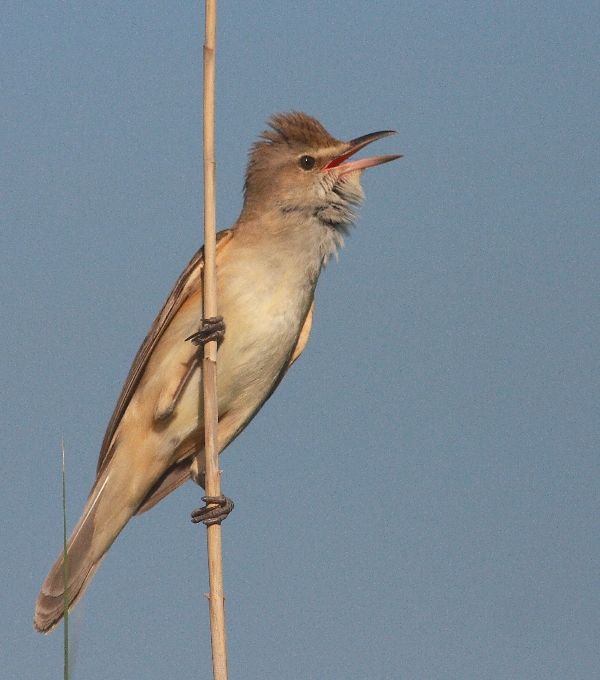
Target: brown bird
(299, 199)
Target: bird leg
(170, 394)
(222, 506)
(212, 328)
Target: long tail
(95, 532)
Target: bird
(301, 191)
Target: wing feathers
(171, 480)
(187, 283)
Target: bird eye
(306, 162)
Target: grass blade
(65, 569)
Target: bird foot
(213, 328)
(213, 515)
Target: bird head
(298, 167)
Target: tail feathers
(81, 564)
(105, 514)
(49, 609)
(92, 537)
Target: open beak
(357, 144)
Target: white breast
(264, 306)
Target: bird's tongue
(338, 160)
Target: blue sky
(420, 497)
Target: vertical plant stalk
(216, 598)
(65, 569)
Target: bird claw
(213, 515)
(213, 328)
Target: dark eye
(306, 162)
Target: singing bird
(300, 195)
